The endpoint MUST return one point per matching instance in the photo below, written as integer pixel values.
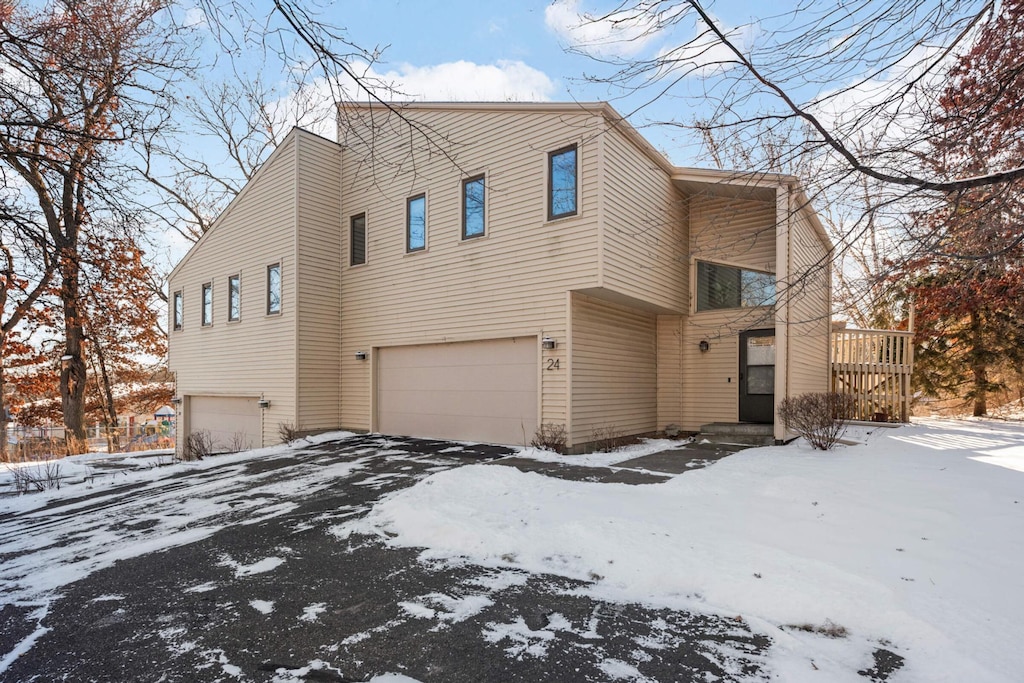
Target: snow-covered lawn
(912, 542)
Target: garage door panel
(469, 391)
(453, 428)
(457, 355)
(232, 421)
(470, 404)
(518, 377)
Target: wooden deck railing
(874, 367)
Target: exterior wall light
(360, 355)
(264, 403)
(704, 345)
(176, 401)
(547, 343)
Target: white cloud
(623, 33)
(626, 33)
(705, 54)
(195, 17)
(892, 105)
(503, 81)
(461, 81)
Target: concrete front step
(745, 434)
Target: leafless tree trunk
(979, 365)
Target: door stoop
(738, 433)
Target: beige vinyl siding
(738, 232)
(810, 309)
(256, 355)
(510, 283)
(319, 282)
(671, 382)
(614, 369)
(711, 392)
(645, 231)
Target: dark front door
(757, 376)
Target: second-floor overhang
(756, 186)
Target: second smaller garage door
(232, 421)
(471, 391)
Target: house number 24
(553, 364)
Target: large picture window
(562, 183)
(274, 289)
(416, 223)
(720, 286)
(473, 207)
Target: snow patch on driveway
(313, 612)
(267, 564)
(262, 606)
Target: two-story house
(472, 271)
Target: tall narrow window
(473, 207)
(179, 310)
(416, 223)
(274, 289)
(234, 298)
(208, 304)
(357, 239)
(562, 183)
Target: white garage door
(233, 422)
(471, 391)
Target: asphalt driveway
(247, 582)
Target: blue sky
(462, 50)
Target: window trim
(280, 286)
(695, 283)
(352, 242)
(408, 223)
(207, 321)
(482, 178)
(237, 277)
(552, 216)
(177, 317)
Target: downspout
(782, 237)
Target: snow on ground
(645, 447)
(262, 606)
(164, 511)
(313, 612)
(913, 541)
(76, 469)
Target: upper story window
(562, 182)
(273, 289)
(234, 298)
(208, 304)
(473, 207)
(416, 223)
(357, 240)
(179, 311)
(720, 286)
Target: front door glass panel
(761, 365)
